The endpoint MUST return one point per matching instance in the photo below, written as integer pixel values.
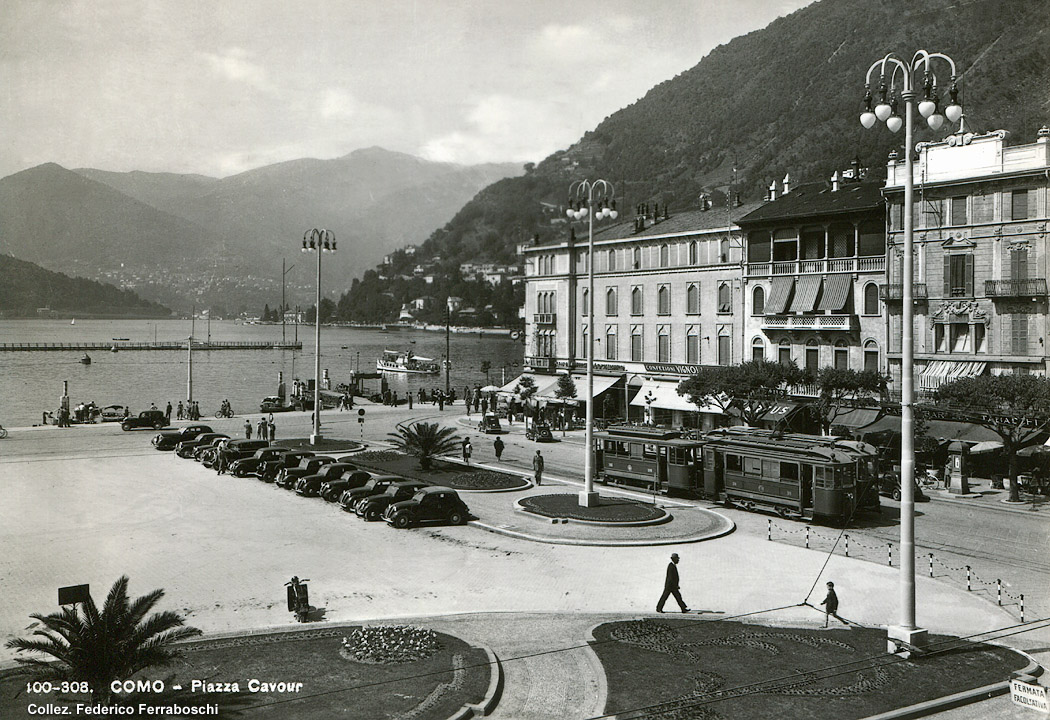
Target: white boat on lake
(407, 362)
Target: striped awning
(778, 295)
(806, 294)
(836, 291)
(939, 372)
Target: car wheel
(158, 425)
(371, 515)
(125, 427)
(401, 521)
(896, 494)
(457, 518)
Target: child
(831, 605)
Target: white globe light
(935, 121)
(583, 212)
(926, 108)
(578, 214)
(894, 123)
(867, 119)
(570, 212)
(953, 112)
(613, 214)
(883, 111)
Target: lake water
(31, 382)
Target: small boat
(73, 321)
(85, 360)
(121, 339)
(407, 362)
(113, 349)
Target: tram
(806, 477)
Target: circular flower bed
(379, 456)
(485, 480)
(389, 644)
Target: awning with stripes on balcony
(941, 372)
(778, 295)
(806, 294)
(836, 292)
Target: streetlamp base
(315, 438)
(905, 641)
(589, 499)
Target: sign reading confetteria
(672, 368)
(1029, 695)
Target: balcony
(1032, 287)
(895, 291)
(545, 319)
(876, 263)
(541, 364)
(807, 322)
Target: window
(725, 347)
(694, 253)
(871, 356)
(1019, 205)
(665, 256)
(637, 258)
(871, 238)
(1019, 334)
(610, 302)
(896, 216)
(663, 344)
(636, 300)
(692, 345)
(784, 352)
(812, 241)
(758, 301)
(958, 216)
(871, 299)
(610, 260)
(983, 208)
(636, 343)
(692, 299)
(841, 355)
(758, 349)
(958, 275)
(1019, 264)
(725, 298)
(758, 247)
(723, 251)
(959, 338)
(610, 342)
(663, 300)
(586, 298)
(932, 212)
(586, 345)
(785, 245)
(841, 240)
(812, 356)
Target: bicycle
(224, 413)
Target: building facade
(980, 223)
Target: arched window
(812, 356)
(610, 302)
(636, 343)
(611, 260)
(692, 299)
(871, 299)
(663, 344)
(725, 298)
(663, 300)
(584, 309)
(610, 342)
(692, 344)
(784, 352)
(723, 251)
(584, 338)
(758, 301)
(637, 257)
(694, 253)
(871, 355)
(758, 348)
(841, 355)
(636, 301)
(665, 256)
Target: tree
(525, 389)
(1014, 407)
(751, 388)
(99, 647)
(566, 387)
(842, 390)
(425, 441)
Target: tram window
(788, 471)
(752, 466)
(733, 462)
(771, 469)
(821, 477)
(845, 475)
(636, 449)
(648, 450)
(709, 460)
(609, 447)
(622, 449)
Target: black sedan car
(186, 448)
(540, 432)
(890, 485)
(239, 450)
(372, 507)
(306, 466)
(429, 504)
(331, 490)
(155, 419)
(168, 440)
(270, 469)
(250, 465)
(310, 485)
(350, 497)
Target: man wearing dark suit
(671, 586)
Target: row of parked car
(399, 501)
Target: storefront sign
(605, 367)
(1029, 695)
(672, 368)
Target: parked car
(205, 454)
(890, 485)
(168, 440)
(540, 432)
(350, 497)
(250, 465)
(307, 466)
(113, 413)
(372, 507)
(186, 448)
(270, 469)
(155, 419)
(429, 504)
(490, 424)
(239, 450)
(310, 485)
(274, 403)
(331, 490)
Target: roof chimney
(835, 181)
(787, 183)
(773, 190)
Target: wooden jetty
(162, 345)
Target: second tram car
(798, 476)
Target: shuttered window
(692, 299)
(958, 275)
(1019, 205)
(958, 210)
(1019, 334)
(663, 300)
(1019, 264)
(983, 208)
(692, 346)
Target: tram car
(810, 477)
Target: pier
(161, 345)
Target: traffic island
(457, 476)
(326, 445)
(608, 511)
(691, 668)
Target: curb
(492, 695)
(554, 519)
(605, 543)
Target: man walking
(248, 430)
(467, 449)
(262, 428)
(167, 413)
(831, 605)
(497, 445)
(273, 430)
(537, 468)
(671, 586)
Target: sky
(221, 86)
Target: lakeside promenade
(88, 504)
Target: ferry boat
(407, 362)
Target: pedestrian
(441, 401)
(262, 429)
(248, 430)
(167, 413)
(220, 460)
(409, 395)
(467, 449)
(467, 403)
(537, 468)
(179, 412)
(273, 430)
(497, 445)
(671, 586)
(831, 605)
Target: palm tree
(425, 440)
(100, 647)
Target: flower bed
(390, 644)
(447, 474)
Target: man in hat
(671, 586)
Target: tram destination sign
(1029, 695)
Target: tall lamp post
(583, 197)
(892, 69)
(319, 241)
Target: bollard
(889, 554)
(847, 545)
(1022, 607)
(999, 591)
(807, 537)
(769, 529)
(968, 578)
(931, 566)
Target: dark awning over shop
(857, 418)
(836, 291)
(781, 411)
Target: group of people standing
(266, 430)
(191, 411)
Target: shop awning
(857, 417)
(665, 397)
(939, 372)
(805, 294)
(778, 295)
(836, 292)
(601, 384)
(781, 411)
(544, 384)
(949, 430)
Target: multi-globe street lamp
(590, 199)
(319, 241)
(892, 69)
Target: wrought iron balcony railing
(895, 291)
(1033, 287)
